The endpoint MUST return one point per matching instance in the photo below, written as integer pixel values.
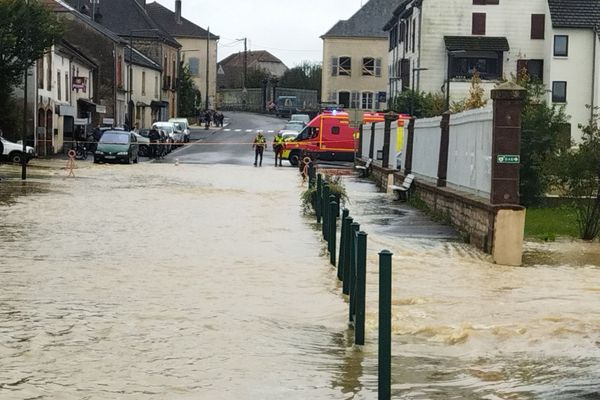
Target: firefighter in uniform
(278, 147)
(259, 147)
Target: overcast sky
(288, 29)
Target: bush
(425, 105)
(308, 198)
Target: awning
(87, 103)
(476, 43)
(159, 104)
(141, 104)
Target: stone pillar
(509, 221)
(506, 143)
(444, 143)
(409, 147)
(388, 119)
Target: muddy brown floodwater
(207, 282)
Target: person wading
(259, 147)
(278, 147)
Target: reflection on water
(155, 281)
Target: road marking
(249, 130)
(238, 130)
(271, 131)
(226, 130)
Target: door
(344, 99)
(49, 130)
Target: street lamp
(449, 54)
(412, 97)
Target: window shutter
(478, 27)
(334, 66)
(378, 67)
(537, 26)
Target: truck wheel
(16, 157)
(294, 157)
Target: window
(120, 71)
(561, 46)
(143, 83)
(335, 130)
(156, 86)
(559, 92)
(478, 24)
(533, 68)
(486, 2)
(371, 66)
(537, 26)
(487, 64)
(367, 101)
(59, 85)
(194, 65)
(344, 99)
(49, 71)
(67, 88)
(174, 72)
(345, 66)
(40, 73)
(414, 30)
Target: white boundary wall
(426, 147)
(470, 151)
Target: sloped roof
(135, 57)
(367, 22)
(476, 43)
(237, 59)
(62, 6)
(167, 19)
(575, 13)
(128, 17)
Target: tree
(579, 176)
(307, 75)
(256, 76)
(424, 105)
(544, 138)
(475, 99)
(27, 31)
(188, 94)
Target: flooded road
(207, 282)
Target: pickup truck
(13, 152)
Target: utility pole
(25, 89)
(245, 60)
(207, 62)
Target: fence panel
(366, 141)
(470, 151)
(378, 149)
(426, 147)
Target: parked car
(185, 127)
(117, 145)
(171, 131)
(303, 118)
(143, 143)
(13, 152)
(291, 130)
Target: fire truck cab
(328, 136)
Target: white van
(185, 127)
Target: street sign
(508, 159)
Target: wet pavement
(157, 281)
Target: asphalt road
(231, 144)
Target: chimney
(178, 11)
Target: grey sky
(289, 29)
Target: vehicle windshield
(145, 132)
(115, 138)
(166, 128)
(293, 127)
(179, 126)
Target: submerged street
(204, 280)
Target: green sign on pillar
(508, 159)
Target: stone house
(355, 58)
(130, 20)
(198, 47)
(231, 68)
(437, 46)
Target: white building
(431, 41)
(144, 89)
(355, 59)
(64, 78)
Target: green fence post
(325, 211)
(347, 252)
(343, 229)
(361, 281)
(332, 229)
(318, 196)
(355, 227)
(385, 326)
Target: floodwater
(158, 281)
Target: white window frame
(367, 100)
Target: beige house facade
(355, 53)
